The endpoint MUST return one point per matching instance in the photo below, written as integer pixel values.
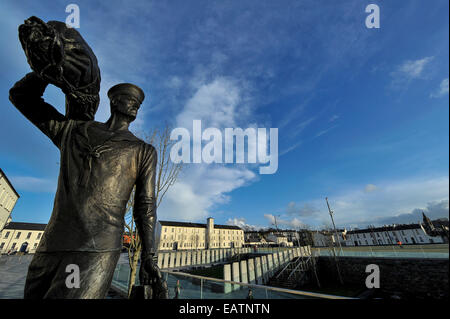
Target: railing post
(201, 288)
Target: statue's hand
(150, 274)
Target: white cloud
(370, 188)
(283, 223)
(391, 199)
(408, 71)
(334, 118)
(325, 131)
(301, 126)
(215, 103)
(414, 69)
(242, 223)
(290, 148)
(201, 187)
(443, 89)
(34, 184)
(433, 210)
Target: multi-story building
(21, 237)
(327, 238)
(172, 235)
(292, 236)
(407, 234)
(391, 235)
(302, 237)
(279, 240)
(8, 199)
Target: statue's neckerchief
(91, 152)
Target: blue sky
(362, 113)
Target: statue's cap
(126, 89)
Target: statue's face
(125, 104)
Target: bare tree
(166, 175)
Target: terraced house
(172, 235)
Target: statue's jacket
(99, 169)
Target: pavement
(13, 273)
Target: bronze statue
(100, 165)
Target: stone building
(19, 237)
(8, 198)
(172, 235)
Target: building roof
(195, 225)
(2, 173)
(25, 226)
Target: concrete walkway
(13, 272)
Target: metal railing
(200, 287)
(385, 252)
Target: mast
(339, 242)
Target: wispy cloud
(290, 148)
(333, 118)
(301, 126)
(408, 71)
(34, 184)
(443, 89)
(370, 188)
(325, 131)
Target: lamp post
(337, 238)
(276, 226)
(334, 226)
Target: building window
(39, 236)
(18, 235)
(2, 245)
(13, 246)
(6, 235)
(29, 235)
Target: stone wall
(400, 277)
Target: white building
(21, 237)
(279, 240)
(390, 235)
(327, 238)
(172, 235)
(8, 199)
